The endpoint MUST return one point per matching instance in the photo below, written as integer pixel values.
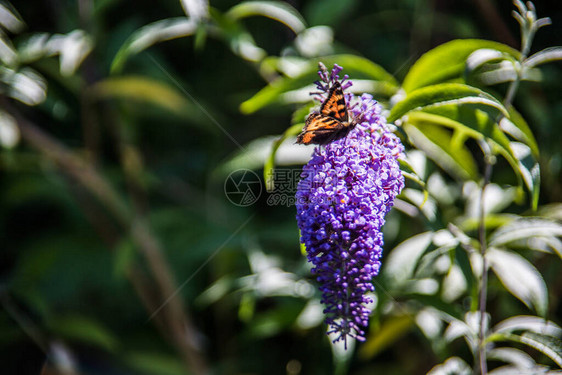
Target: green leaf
(520, 278)
(469, 122)
(447, 62)
(10, 20)
(83, 329)
(9, 131)
(269, 166)
(461, 258)
(548, 345)
(145, 90)
(409, 173)
(390, 331)
(401, 263)
(426, 133)
(528, 323)
(516, 126)
(544, 56)
(514, 356)
(452, 366)
(447, 94)
(529, 170)
(155, 363)
(357, 67)
(8, 54)
(25, 85)
(525, 228)
(151, 34)
(72, 49)
(124, 255)
(484, 56)
(236, 36)
(300, 114)
(278, 11)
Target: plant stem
(484, 279)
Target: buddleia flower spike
(345, 191)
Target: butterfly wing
(319, 128)
(334, 106)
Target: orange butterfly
(331, 123)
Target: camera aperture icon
(243, 187)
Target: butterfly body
(331, 123)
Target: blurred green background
(90, 250)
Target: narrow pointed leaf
(447, 62)
(520, 278)
(144, 90)
(402, 260)
(151, 34)
(548, 345)
(447, 94)
(528, 323)
(359, 67)
(525, 228)
(517, 127)
(544, 56)
(278, 11)
(427, 133)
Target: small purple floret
(346, 190)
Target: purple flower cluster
(346, 190)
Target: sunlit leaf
(278, 11)
(25, 85)
(511, 355)
(548, 345)
(505, 71)
(196, 10)
(72, 49)
(10, 19)
(469, 122)
(517, 127)
(8, 54)
(402, 260)
(484, 56)
(529, 169)
(447, 94)
(355, 66)
(427, 133)
(544, 56)
(525, 228)
(447, 62)
(452, 366)
(151, 34)
(315, 41)
(528, 323)
(9, 131)
(520, 278)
